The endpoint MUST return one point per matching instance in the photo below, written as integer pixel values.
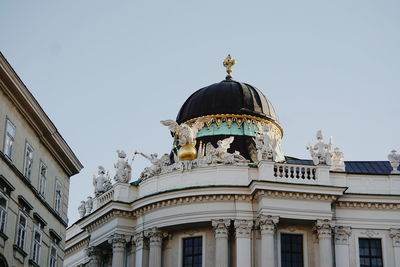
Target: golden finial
(228, 63)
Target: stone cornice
(294, 195)
(106, 217)
(367, 205)
(27, 105)
(77, 246)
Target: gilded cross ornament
(228, 63)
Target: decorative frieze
(267, 223)
(294, 195)
(368, 205)
(75, 247)
(342, 234)
(395, 235)
(370, 233)
(243, 228)
(324, 228)
(221, 227)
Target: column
(141, 255)
(267, 227)
(243, 242)
(221, 241)
(118, 243)
(95, 256)
(342, 256)
(131, 251)
(324, 232)
(395, 235)
(156, 236)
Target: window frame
(38, 229)
(9, 122)
(369, 248)
(17, 237)
(374, 234)
(28, 147)
(188, 235)
(58, 201)
(42, 185)
(3, 213)
(298, 231)
(53, 245)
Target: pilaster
(243, 242)
(342, 254)
(221, 228)
(324, 232)
(267, 225)
(395, 235)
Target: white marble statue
(337, 160)
(82, 209)
(185, 133)
(394, 159)
(220, 154)
(101, 182)
(88, 205)
(122, 168)
(321, 152)
(268, 144)
(159, 165)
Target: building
(227, 196)
(35, 166)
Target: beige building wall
(43, 208)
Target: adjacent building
(35, 166)
(226, 195)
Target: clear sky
(106, 72)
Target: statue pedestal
(266, 171)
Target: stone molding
(342, 234)
(295, 195)
(106, 217)
(118, 241)
(221, 227)
(368, 205)
(155, 236)
(395, 235)
(243, 228)
(267, 223)
(324, 228)
(370, 233)
(75, 247)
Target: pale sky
(106, 72)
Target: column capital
(221, 227)
(267, 223)
(155, 236)
(395, 235)
(324, 228)
(95, 254)
(243, 228)
(140, 241)
(117, 241)
(342, 234)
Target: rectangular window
(370, 252)
(3, 212)
(57, 202)
(193, 251)
(42, 179)
(53, 255)
(292, 250)
(28, 161)
(21, 230)
(36, 244)
(9, 139)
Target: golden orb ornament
(187, 152)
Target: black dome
(227, 97)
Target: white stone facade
(241, 214)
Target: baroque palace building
(35, 166)
(226, 195)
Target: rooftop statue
(82, 209)
(158, 164)
(88, 205)
(122, 168)
(337, 160)
(268, 144)
(220, 154)
(101, 183)
(186, 136)
(394, 159)
(321, 152)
